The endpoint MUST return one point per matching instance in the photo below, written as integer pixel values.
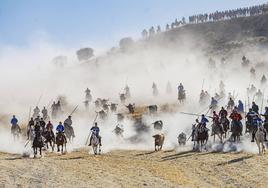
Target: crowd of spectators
(210, 17)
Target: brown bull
(158, 141)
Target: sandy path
(135, 169)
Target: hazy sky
(95, 23)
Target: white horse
(260, 139)
(95, 142)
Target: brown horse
(201, 138)
(61, 142)
(158, 141)
(49, 139)
(225, 123)
(236, 131)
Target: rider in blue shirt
(14, 121)
(95, 130)
(60, 128)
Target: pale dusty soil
(135, 169)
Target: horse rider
(213, 104)
(255, 107)
(49, 128)
(204, 121)
(14, 124)
(216, 120)
(236, 120)
(37, 119)
(29, 128)
(44, 112)
(95, 130)
(127, 91)
(60, 129)
(42, 124)
(263, 79)
(230, 104)
(68, 124)
(88, 95)
(257, 122)
(223, 113)
(36, 112)
(240, 107)
(194, 128)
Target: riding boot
(89, 142)
(100, 140)
(253, 136)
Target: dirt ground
(135, 169)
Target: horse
(95, 142)
(201, 137)
(217, 130)
(69, 132)
(158, 141)
(61, 141)
(236, 131)
(182, 139)
(15, 131)
(38, 143)
(49, 139)
(225, 123)
(260, 139)
(158, 125)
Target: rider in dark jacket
(95, 130)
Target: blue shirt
(214, 102)
(60, 128)
(240, 107)
(204, 120)
(14, 121)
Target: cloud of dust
(27, 73)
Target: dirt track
(135, 169)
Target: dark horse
(15, 131)
(61, 141)
(49, 138)
(38, 143)
(201, 137)
(225, 123)
(236, 130)
(69, 132)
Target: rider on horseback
(204, 122)
(216, 121)
(14, 124)
(95, 130)
(30, 126)
(230, 104)
(49, 128)
(223, 113)
(68, 124)
(194, 127)
(213, 104)
(257, 122)
(236, 120)
(255, 107)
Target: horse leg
(40, 151)
(58, 148)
